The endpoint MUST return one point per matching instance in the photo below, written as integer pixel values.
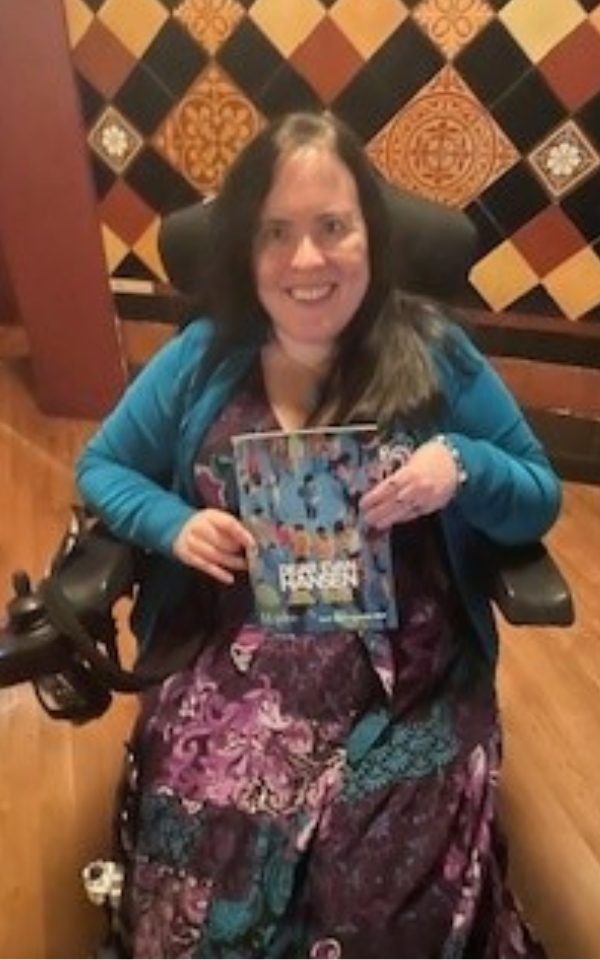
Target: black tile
(102, 176)
(515, 198)
(411, 4)
(528, 111)
(143, 100)
(583, 207)
(492, 62)
(175, 58)
(134, 268)
(328, 3)
(158, 184)
(588, 119)
(365, 105)
(405, 62)
(497, 4)
(92, 102)
(537, 302)
(249, 59)
(489, 232)
(94, 4)
(285, 91)
(588, 5)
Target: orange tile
(327, 60)
(146, 248)
(575, 284)
(288, 24)
(135, 24)
(538, 25)
(502, 276)
(103, 60)
(207, 128)
(572, 68)
(211, 22)
(79, 18)
(451, 26)
(443, 144)
(548, 239)
(367, 25)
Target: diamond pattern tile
(538, 27)
(564, 159)
(368, 25)
(451, 25)
(135, 24)
(207, 129)
(574, 87)
(443, 144)
(327, 76)
(210, 22)
(489, 105)
(114, 140)
(287, 24)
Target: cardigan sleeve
(511, 494)
(125, 473)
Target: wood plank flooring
(57, 780)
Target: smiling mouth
(311, 294)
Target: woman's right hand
(213, 541)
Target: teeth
(310, 293)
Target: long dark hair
(385, 344)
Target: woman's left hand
(425, 483)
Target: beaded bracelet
(461, 471)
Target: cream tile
(114, 139)
(146, 248)
(575, 284)
(538, 25)
(286, 24)
(114, 248)
(502, 276)
(368, 25)
(79, 18)
(134, 23)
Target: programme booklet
(317, 566)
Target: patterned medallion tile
(443, 144)
(548, 239)
(210, 22)
(538, 25)
(564, 159)
(575, 284)
(574, 85)
(368, 25)
(452, 24)
(135, 24)
(102, 59)
(287, 24)
(502, 276)
(327, 60)
(114, 139)
(207, 129)
(79, 18)
(125, 212)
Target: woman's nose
(307, 253)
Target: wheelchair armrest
(527, 586)
(98, 570)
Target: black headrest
(434, 245)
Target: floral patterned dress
(321, 796)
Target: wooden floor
(57, 780)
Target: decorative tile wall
(492, 106)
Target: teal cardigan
(137, 470)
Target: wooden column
(49, 230)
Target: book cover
(317, 566)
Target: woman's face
(311, 257)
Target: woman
(331, 795)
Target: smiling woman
(297, 794)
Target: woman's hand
(213, 541)
(425, 483)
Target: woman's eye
(272, 234)
(333, 228)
